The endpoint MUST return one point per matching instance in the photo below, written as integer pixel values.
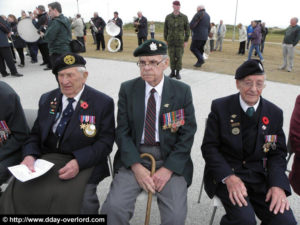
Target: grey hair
(295, 18)
(81, 69)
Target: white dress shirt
(157, 96)
(245, 106)
(65, 103)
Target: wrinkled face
(251, 88)
(152, 68)
(71, 81)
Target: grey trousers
(219, 43)
(288, 56)
(120, 202)
(90, 202)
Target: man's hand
(29, 162)
(237, 190)
(278, 198)
(185, 44)
(161, 177)
(143, 177)
(70, 170)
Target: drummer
(141, 130)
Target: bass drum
(112, 29)
(113, 44)
(27, 30)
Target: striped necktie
(149, 138)
(66, 116)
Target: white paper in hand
(22, 173)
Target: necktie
(250, 111)
(66, 116)
(149, 138)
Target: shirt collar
(77, 97)
(158, 88)
(245, 106)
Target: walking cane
(147, 219)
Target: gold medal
(90, 130)
(235, 131)
(82, 126)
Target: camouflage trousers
(175, 54)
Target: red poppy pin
(265, 120)
(84, 105)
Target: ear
(167, 61)
(238, 83)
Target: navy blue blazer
(223, 151)
(201, 30)
(143, 27)
(4, 30)
(88, 151)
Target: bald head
(200, 7)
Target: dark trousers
(141, 40)
(13, 52)
(21, 55)
(81, 39)
(6, 57)
(262, 46)
(100, 39)
(248, 42)
(245, 215)
(121, 40)
(152, 35)
(45, 54)
(242, 47)
(197, 48)
(212, 44)
(33, 49)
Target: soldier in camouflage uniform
(176, 34)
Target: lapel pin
(166, 105)
(264, 127)
(233, 116)
(235, 131)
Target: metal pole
(233, 35)
(77, 7)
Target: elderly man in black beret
(155, 119)
(75, 131)
(244, 149)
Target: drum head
(113, 44)
(112, 29)
(27, 30)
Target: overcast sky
(274, 13)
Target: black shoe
(178, 77)
(198, 64)
(47, 68)
(32, 61)
(17, 74)
(43, 64)
(21, 65)
(103, 49)
(172, 74)
(5, 74)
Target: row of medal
(173, 120)
(87, 124)
(4, 131)
(270, 142)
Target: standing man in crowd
(249, 33)
(264, 33)
(244, 149)
(100, 25)
(255, 40)
(78, 26)
(13, 130)
(118, 21)
(291, 39)
(42, 24)
(58, 35)
(176, 34)
(200, 26)
(221, 31)
(143, 103)
(141, 26)
(5, 51)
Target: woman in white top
(242, 38)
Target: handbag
(76, 46)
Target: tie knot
(71, 100)
(153, 90)
(250, 111)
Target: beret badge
(69, 59)
(153, 46)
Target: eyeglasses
(152, 63)
(249, 84)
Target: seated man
(13, 130)
(244, 149)
(156, 116)
(74, 130)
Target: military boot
(172, 74)
(178, 77)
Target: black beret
(250, 67)
(66, 61)
(151, 47)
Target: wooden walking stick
(153, 165)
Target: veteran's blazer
(175, 146)
(88, 151)
(222, 148)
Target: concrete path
(107, 75)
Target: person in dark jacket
(255, 41)
(13, 130)
(200, 26)
(58, 35)
(264, 33)
(18, 42)
(100, 25)
(5, 51)
(141, 25)
(118, 21)
(244, 149)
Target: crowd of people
(244, 146)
